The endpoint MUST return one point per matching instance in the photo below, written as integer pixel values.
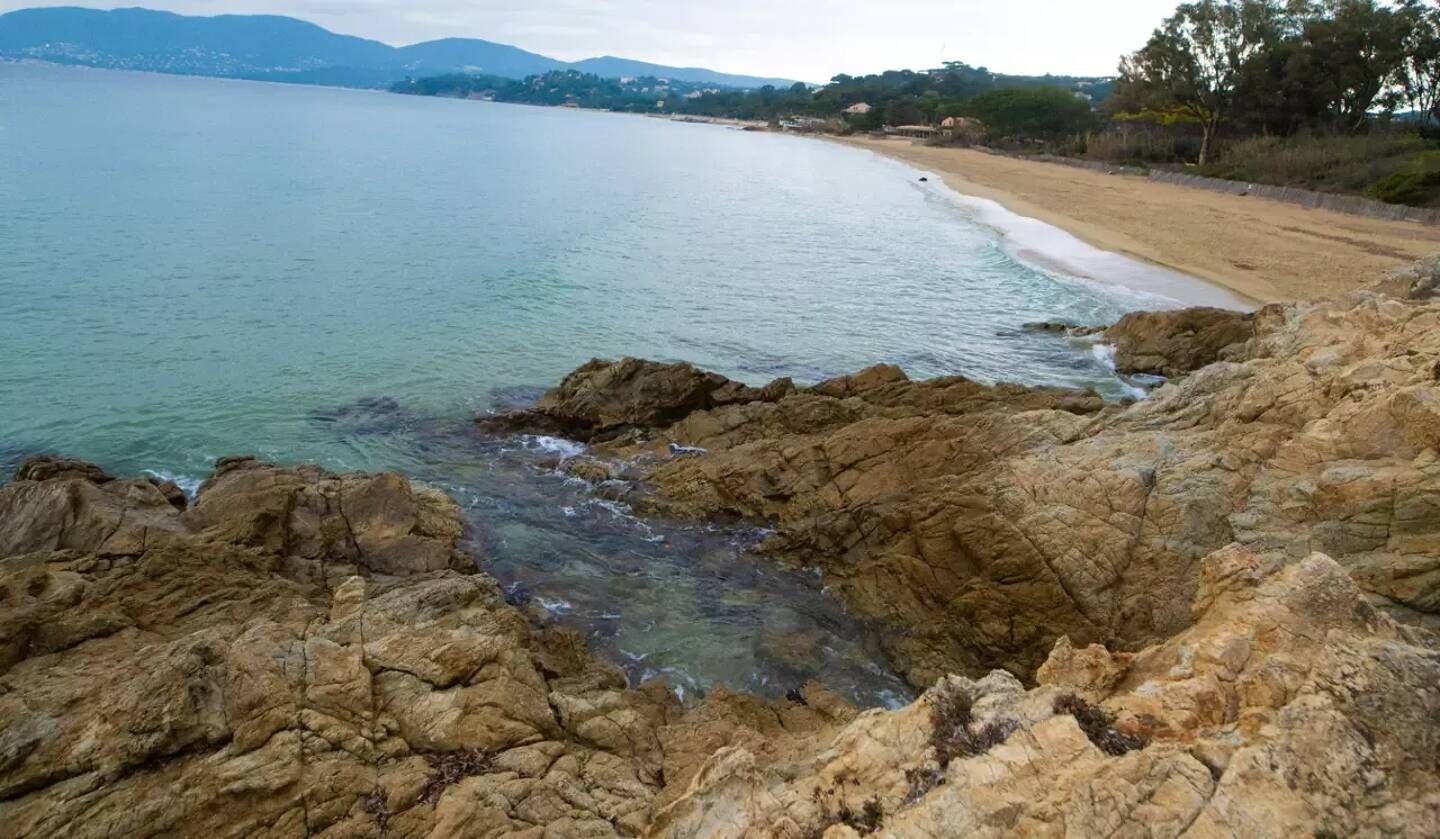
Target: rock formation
(983, 523)
(298, 654)
(1208, 613)
(1289, 708)
(1177, 342)
(309, 654)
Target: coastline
(1262, 251)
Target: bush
(1394, 167)
(1414, 188)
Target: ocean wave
(565, 449)
(1105, 354)
(188, 485)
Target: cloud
(805, 39)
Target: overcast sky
(802, 39)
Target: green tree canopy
(1036, 112)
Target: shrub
(1413, 188)
(1388, 166)
(868, 820)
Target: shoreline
(1257, 250)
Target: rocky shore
(1210, 612)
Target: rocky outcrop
(309, 654)
(603, 399)
(1420, 281)
(1289, 708)
(1176, 342)
(983, 523)
(1203, 614)
(239, 669)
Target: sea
(192, 268)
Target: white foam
(1105, 354)
(190, 486)
(555, 606)
(553, 445)
(1042, 245)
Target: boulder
(1420, 281)
(1176, 342)
(603, 399)
(43, 467)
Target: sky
(811, 40)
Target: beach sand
(1263, 250)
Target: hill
(275, 48)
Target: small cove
(192, 268)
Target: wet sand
(1262, 250)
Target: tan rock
(983, 523)
(288, 658)
(1347, 747)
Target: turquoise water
(191, 268)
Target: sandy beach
(1263, 250)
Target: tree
(903, 111)
(1032, 112)
(1417, 78)
(1357, 48)
(1193, 63)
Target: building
(859, 109)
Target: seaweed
(1098, 725)
(450, 768)
(951, 718)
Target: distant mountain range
(284, 49)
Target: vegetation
(644, 94)
(895, 97)
(1098, 726)
(450, 768)
(835, 810)
(951, 718)
(1331, 95)
(1036, 113)
(1387, 166)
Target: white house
(859, 109)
